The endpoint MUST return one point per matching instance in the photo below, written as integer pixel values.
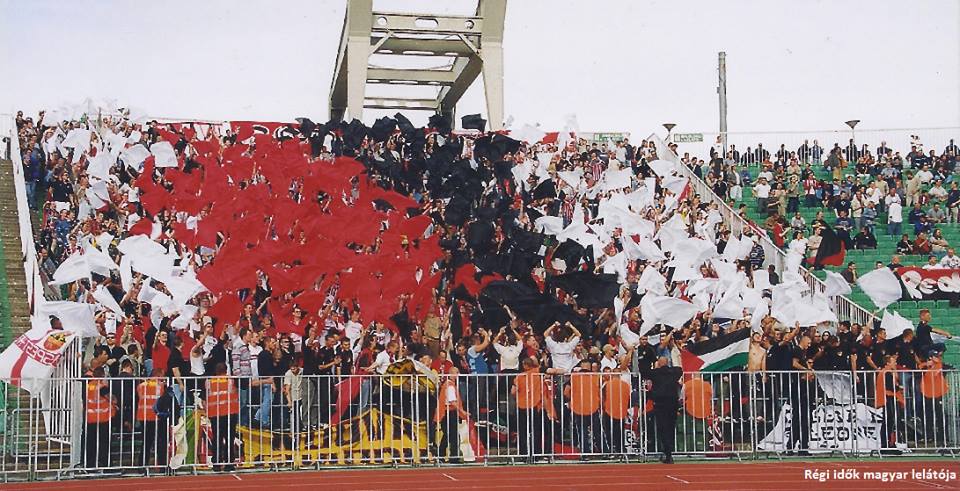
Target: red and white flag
(29, 362)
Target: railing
(897, 139)
(215, 424)
(844, 308)
(31, 268)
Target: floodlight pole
(669, 127)
(722, 91)
(853, 132)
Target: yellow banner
(374, 437)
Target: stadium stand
(200, 252)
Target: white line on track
(679, 480)
(448, 476)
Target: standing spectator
(761, 191)
(616, 403)
(953, 203)
(508, 346)
(912, 187)
(327, 361)
(477, 386)
(33, 167)
(561, 341)
(923, 342)
(800, 391)
(894, 217)
(241, 362)
(267, 369)
(293, 390)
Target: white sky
(617, 65)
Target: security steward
(665, 394)
(223, 406)
(100, 411)
(155, 426)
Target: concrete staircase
(14, 314)
(14, 309)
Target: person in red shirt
(441, 365)
(161, 352)
(810, 186)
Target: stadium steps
(15, 316)
(14, 309)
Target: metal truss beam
(475, 43)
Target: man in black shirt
(646, 356)
(327, 360)
(665, 394)
(923, 342)
(878, 350)
(903, 347)
(266, 371)
(310, 384)
(800, 391)
(345, 369)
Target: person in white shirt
(382, 333)
(894, 218)
(383, 359)
(292, 389)
(925, 175)
(873, 194)
(951, 260)
(938, 192)
(891, 197)
(933, 264)
(628, 338)
(352, 330)
(509, 346)
(609, 360)
(761, 191)
(561, 341)
(197, 356)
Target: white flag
(836, 285)
(882, 286)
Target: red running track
(691, 476)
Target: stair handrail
(844, 307)
(28, 250)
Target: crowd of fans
(457, 334)
(918, 187)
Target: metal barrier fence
(189, 425)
